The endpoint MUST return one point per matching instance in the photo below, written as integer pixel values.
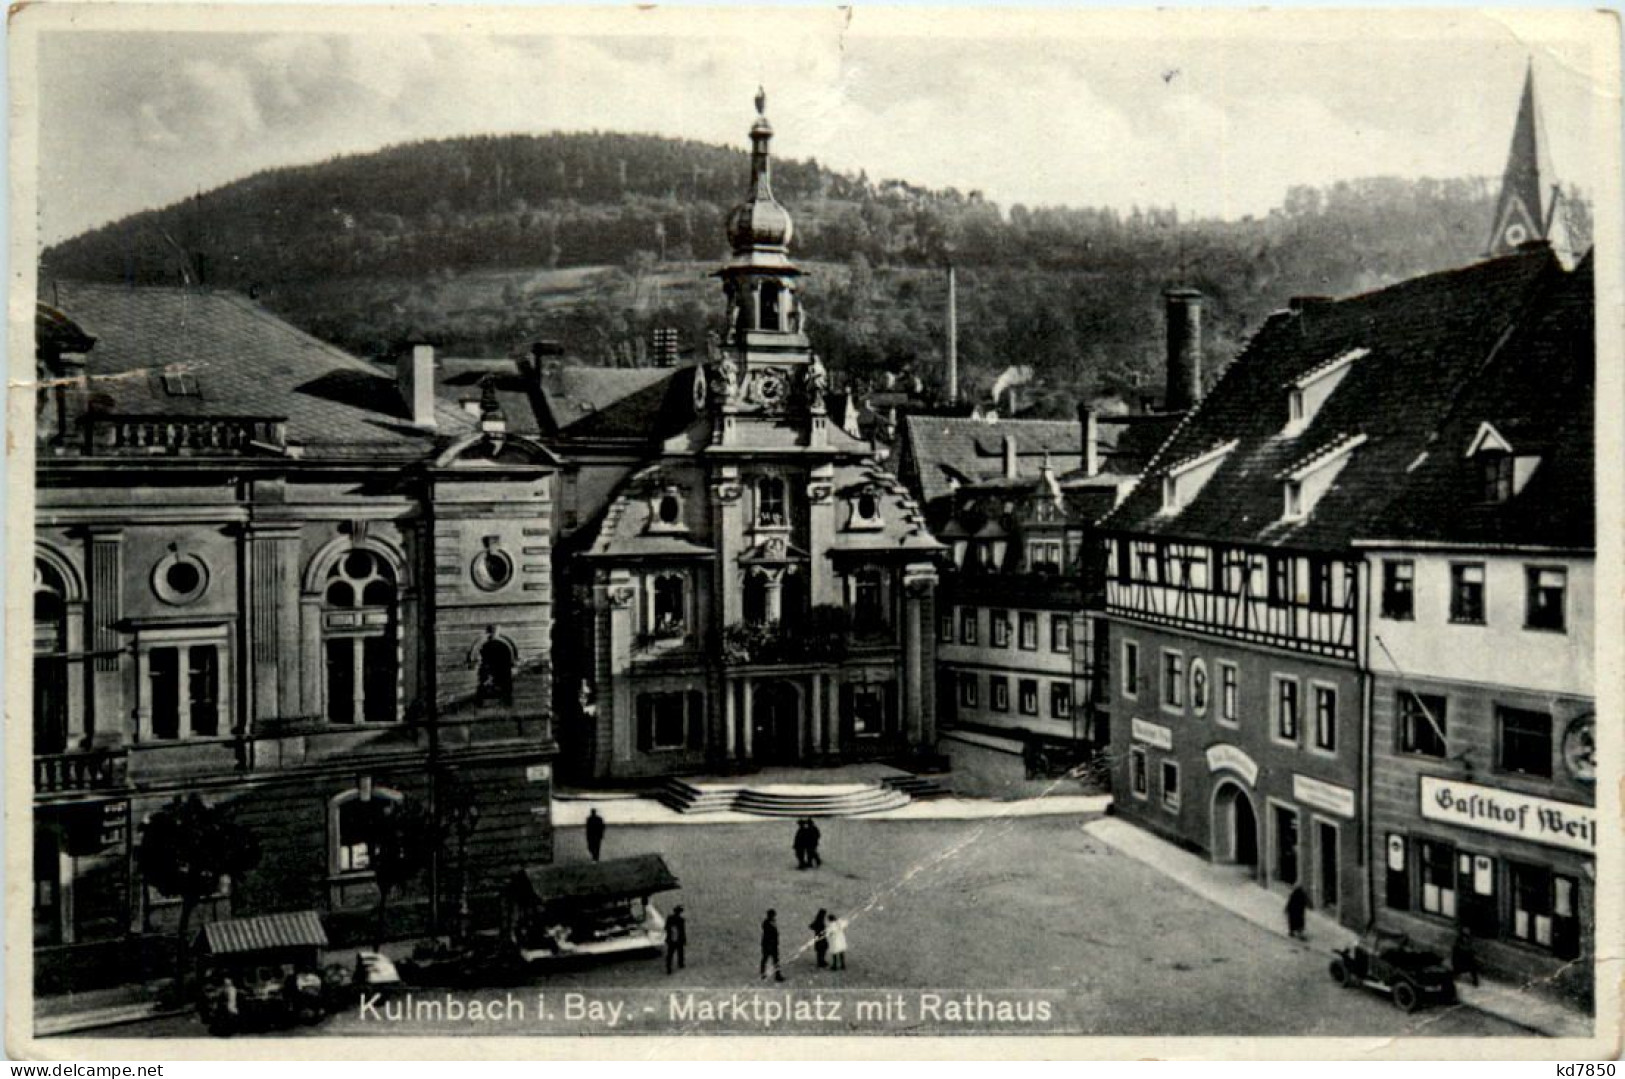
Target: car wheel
(1406, 997)
(1340, 973)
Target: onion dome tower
(767, 366)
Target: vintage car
(596, 909)
(261, 972)
(1389, 962)
(374, 972)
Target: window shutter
(696, 719)
(646, 723)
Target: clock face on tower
(770, 389)
(1580, 749)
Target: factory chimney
(1184, 314)
(953, 339)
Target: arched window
(670, 510)
(770, 505)
(360, 640)
(770, 300)
(50, 666)
(670, 609)
(352, 818)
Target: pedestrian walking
(1462, 960)
(800, 844)
(820, 938)
(1296, 904)
(770, 945)
(813, 836)
(835, 930)
(676, 938)
(595, 833)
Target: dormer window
(1502, 471)
(1185, 479)
(666, 510)
(865, 510)
(1303, 485)
(181, 384)
(1293, 510)
(1497, 472)
(1306, 394)
(671, 510)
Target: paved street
(1020, 910)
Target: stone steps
(918, 788)
(844, 800)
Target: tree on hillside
(188, 849)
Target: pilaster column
(746, 733)
(270, 605)
(108, 707)
(823, 588)
(815, 714)
(730, 720)
(919, 581)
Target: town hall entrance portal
(775, 718)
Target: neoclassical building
(285, 579)
(751, 587)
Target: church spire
(759, 228)
(1520, 209)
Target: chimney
(1184, 311)
(953, 340)
(1011, 469)
(414, 377)
(1091, 440)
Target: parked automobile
(373, 972)
(260, 973)
(1391, 963)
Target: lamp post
(464, 816)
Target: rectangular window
(1544, 608)
(1029, 631)
(1229, 705)
(1131, 669)
(1422, 723)
(968, 695)
(1286, 709)
(1170, 785)
(1525, 740)
(1398, 874)
(1139, 782)
(998, 692)
(164, 674)
(1436, 867)
(869, 708)
(1060, 633)
(1173, 679)
(1027, 688)
(1280, 586)
(967, 625)
(1497, 472)
(1326, 718)
(1060, 700)
(670, 720)
(1320, 584)
(1467, 593)
(999, 628)
(945, 628)
(1399, 590)
(1545, 909)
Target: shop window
(1525, 741)
(1060, 700)
(1545, 909)
(1436, 869)
(1139, 782)
(998, 628)
(1060, 633)
(1028, 630)
(1544, 607)
(1131, 669)
(770, 507)
(967, 625)
(1173, 679)
(1422, 723)
(1398, 878)
(1229, 694)
(1027, 696)
(968, 690)
(359, 629)
(670, 720)
(1170, 785)
(1286, 709)
(998, 692)
(1326, 719)
(1199, 686)
(1467, 593)
(1399, 590)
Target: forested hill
(482, 244)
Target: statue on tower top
(761, 101)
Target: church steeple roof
(759, 229)
(1530, 206)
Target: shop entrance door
(1286, 845)
(1326, 848)
(776, 723)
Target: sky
(1215, 114)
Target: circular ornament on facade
(1199, 686)
(771, 388)
(492, 569)
(1580, 749)
(179, 579)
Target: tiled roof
(1425, 337)
(610, 402)
(1538, 391)
(462, 379)
(245, 362)
(939, 448)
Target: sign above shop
(1228, 756)
(1521, 816)
(1327, 796)
(1152, 734)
